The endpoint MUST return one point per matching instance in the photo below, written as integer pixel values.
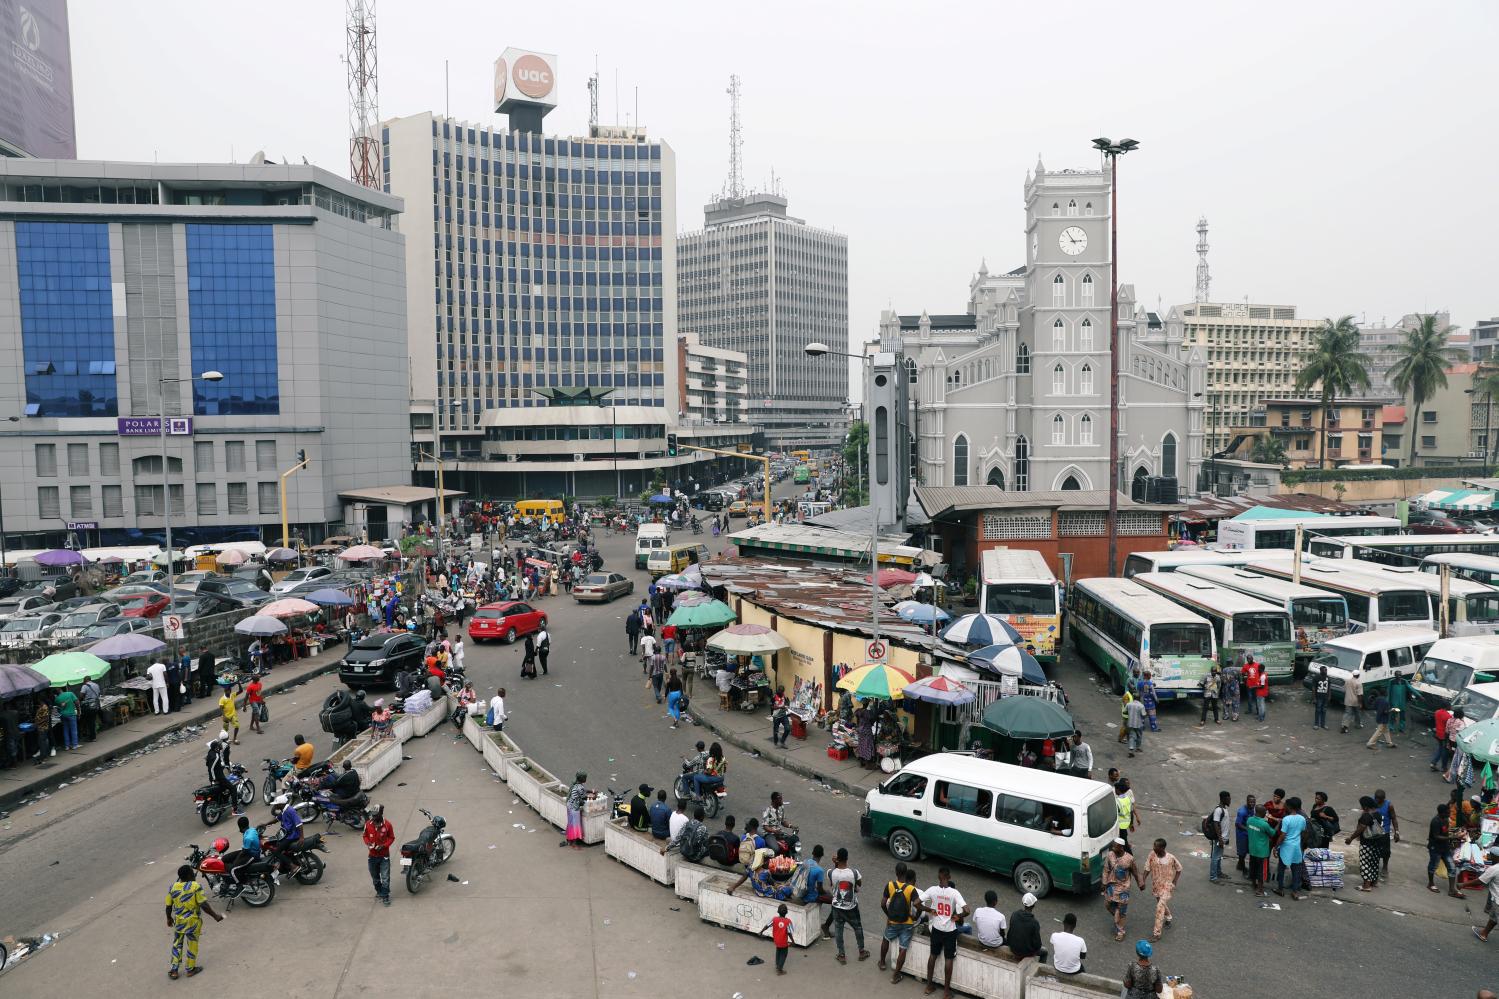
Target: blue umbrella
(662, 498)
(923, 614)
(329, 597)
(980, 629)
(1009, 659)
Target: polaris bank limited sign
(150, 426)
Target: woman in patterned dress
(577, 795)
(1368, 832)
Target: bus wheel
(904, 846)
(1031, 877)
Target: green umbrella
(1022, 717)
(713, 614)
(1481, 740)
(67, 669)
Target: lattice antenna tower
(1203, 280)
(593, 101)
(735, 185)
(364, 94)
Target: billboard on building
(36, 79)
(524, 77)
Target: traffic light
(301, 456)
(671, 445)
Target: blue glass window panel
(67, 318)
(232, 312)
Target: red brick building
(966, 520)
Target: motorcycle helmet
(439, 822)
(220, 845)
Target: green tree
(1335, 367)
(1422, 360)
(856, 464)
(1486, 384)
(1268, 451)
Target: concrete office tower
(114, 276)
(757, 280)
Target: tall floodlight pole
(1113, 150)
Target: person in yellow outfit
(186, 903)
(230, 712)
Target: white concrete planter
(1045, 983)
(403, 727)
(744, 910)
(640, 851)
(499, 750)
(376, 760)
(991, 974)
(473, 730)
(690, 876)
(527, 780)
(552, 805)
(432, 717)
(349, 749)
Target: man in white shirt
(1067, 948)
(497, 712)
(647, 648)
(989, 923)
(676, 823)
(1490, 879)
(158, 674)
(947, 910)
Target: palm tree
(1486, 384)
(1335, 366)
(1421, 367)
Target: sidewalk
(30, 778)
(807, 757)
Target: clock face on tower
(1073, 240)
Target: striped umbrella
(1008, 660)
(980, 629)
(689, 597)
(939, 690)
(876, 680)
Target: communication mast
(364, 94)
(1202, 258)
(593, 102)
(735, 184)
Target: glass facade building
(67, 318)
(231, 297)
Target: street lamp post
(166, 481)
(1113, 150)
(818, 350)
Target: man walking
(1163, 871)
(543, 648)
(88, 695)
(1385, 809)
(647, 650)
(1321, 691)
(1381, 723)
(1210, 688)
(158, 675)
(1134, 722)
(1353, 701)
(206, 667)
(1439, 845)
(902, 905)
(379, 834)
(845, 881)
(632, 629)
(1119, 873)
(1082, 757)
(1215, 828)
(186, 903)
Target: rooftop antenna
(593, 98)
(1202, 259)
(363, 67)
(735, 185)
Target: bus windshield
(1181, 640)
(1020, 598)
(1319, 612)
(1261, 628)
(1337, 657)
(1482, 607)
(1404, 605)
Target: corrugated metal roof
(938, 500)
(1214, 508)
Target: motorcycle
(331, 811)
(213, 801)
(256, 886)
(432, 848)
(686, 790)
(305, 851)
(278, 770)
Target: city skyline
(834, 117)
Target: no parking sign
(172, 627)
(876, 651)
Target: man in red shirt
(1441, 757)
(254, 702)
(378, 835)
(1257, 685)
(780, 931)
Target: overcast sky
(1345, 154)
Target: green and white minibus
(1041, 829)
(1372, 600)
(1241, 623)
(1317, 616)
(1125, 629)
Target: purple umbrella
(17, 681)
(59, 557)
(127, 646)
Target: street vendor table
(753, 688)
(138, 690)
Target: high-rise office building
(757, 280)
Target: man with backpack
(693, 842)
(723, 846)
(1215, 827)
(902, 903)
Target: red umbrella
(892, 577)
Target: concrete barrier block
(498, 752)
(376, 760)
(1046, 983)
(403, 727)
(688, 877)
(744, 910)
(473, 731)
(526, 781)
(993, 974)
(432, 717)
(640, 851)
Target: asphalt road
(595, 713)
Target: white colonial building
(1015, 392)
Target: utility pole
(1113, 150)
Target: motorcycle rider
(363, 713)
(343, 788)
(703, 782)
(249, 849)
(291, 830)
(217, 762)
(773, 822)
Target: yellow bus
(802, 455)
(548, 511)
(1019, 587)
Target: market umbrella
(892, 577)
(111, 560)
(361, 553)
(876, 680)
(689, 597)
(662, 498)
(1009, 660)
(60, 557)
(1481, 741)
(165, 557)
(674, 581)
(329, 597)
(280, 555)
(939, 690)
(919, 613)
(748, 640)
(259, 626)
(232, 557)
(1028, 718)
(288, 607)
(713, 614)
(127, 646)
(18, 681)
(65, 669)
(980, 629)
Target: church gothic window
(960, 460)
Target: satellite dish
(258, 159)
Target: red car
(144, 605)
(507, 620)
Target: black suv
(376, 659)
